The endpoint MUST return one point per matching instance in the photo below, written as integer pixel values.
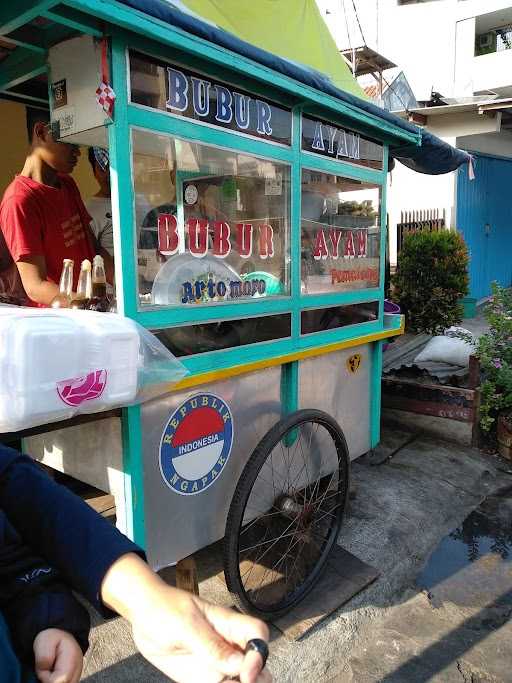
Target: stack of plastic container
(57, 363)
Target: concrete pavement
(403, 508)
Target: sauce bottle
(63, 298)
(82, 298)
(99, 300)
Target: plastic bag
(55, 364)
(449, 348)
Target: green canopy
(293, 29)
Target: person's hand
(58, 657)
(185, 637)
(191, 640)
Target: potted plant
(494, 352)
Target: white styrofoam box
(114, 346)
(57, 363)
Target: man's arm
(185, 637)
(32, 270)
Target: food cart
(249, 213)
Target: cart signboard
(340, 143)
(179, 91)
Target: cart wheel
(286, 513)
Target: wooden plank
(344, 576)
(9, 437)
(459, 413)
(186, 575)
(103, 503)
(429, 399)
(467, 394)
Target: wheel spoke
(258, 545)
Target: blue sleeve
(59, 526)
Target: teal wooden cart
(249, 214)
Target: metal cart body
(260, 382)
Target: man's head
(60, 156)
(98, 158)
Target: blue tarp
(433, 156)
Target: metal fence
(424, 220)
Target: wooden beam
(29, 37)
(488, 108)
(20, 12)
(75, 20)
(24, 99)
(21, 66)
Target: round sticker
(354, 362)
(191, 194)
(196, 444)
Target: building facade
(457, 58)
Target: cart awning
(197, 17)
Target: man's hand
(185, 637)
(58, 657)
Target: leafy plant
(431, 278)
(365, 208)
(494, 351)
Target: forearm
(130, 586)
(43, 513)
(42, 292)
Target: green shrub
(494, 352)
(431, 278)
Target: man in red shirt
(42, 215)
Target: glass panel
(341, 144)
(340, 234)
(321, 319)
(212, 224)
(226, 334)
(172, 89)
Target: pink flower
(497, 363)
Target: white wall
(432, 42)
(408, 191)
(418, 38)
(464, 57)
(475, 8)
(468, 123)
(492, 72)
(499, 145)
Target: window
(334, 317)
(340, 234)
(225, 334)
(212, 225)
